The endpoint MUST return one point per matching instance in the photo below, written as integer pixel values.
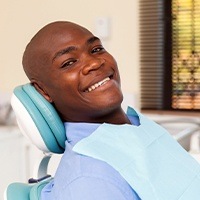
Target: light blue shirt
(80, 177)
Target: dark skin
(69, 66)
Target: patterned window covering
(170, 54)
(186, 54)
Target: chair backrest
(39, 121)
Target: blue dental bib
(147, 157)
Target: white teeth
(96, 85)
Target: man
(69, 66)
(109, 155)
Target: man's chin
(111, 103)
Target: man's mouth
(96, 85)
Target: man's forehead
(60, 33)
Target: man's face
(81, 78)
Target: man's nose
(92, 64)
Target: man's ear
(42, 91)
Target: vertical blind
(151, 53)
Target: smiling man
(69, 66)
(109, 155)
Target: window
(170, 54)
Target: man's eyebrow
(63, 51)
(92, 39)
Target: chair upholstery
(22, 191)
(38, 120)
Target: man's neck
(117, 116)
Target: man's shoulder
(75, 170)
(74, 166)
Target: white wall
(21, 19)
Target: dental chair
(39, 121)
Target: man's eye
(97, 49)
(69, 63)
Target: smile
(96, 85)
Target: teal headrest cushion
(33, 111)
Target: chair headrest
(38, 119)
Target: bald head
(37, 53)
